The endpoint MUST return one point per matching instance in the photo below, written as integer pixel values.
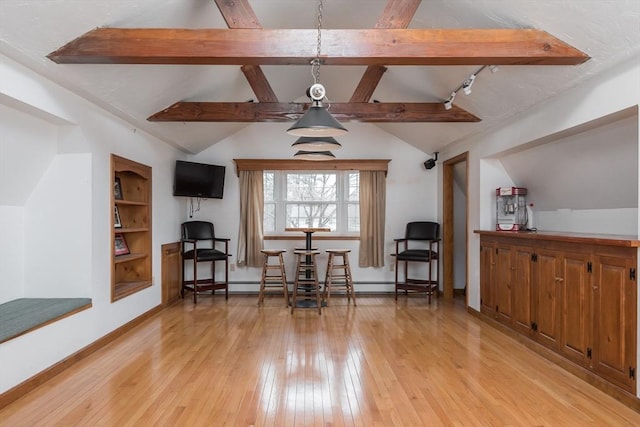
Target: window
(311, 199)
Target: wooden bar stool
(306, 277)
(273, 275)
(339, 275)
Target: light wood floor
(379, 364)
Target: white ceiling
(607, 30)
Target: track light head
(448, 104)
(466, 86)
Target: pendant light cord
(315, 63)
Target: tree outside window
(311, 199)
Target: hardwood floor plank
(379, 364)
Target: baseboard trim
(601, 384)
(40, 378)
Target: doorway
(455, 225)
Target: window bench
(23, 315)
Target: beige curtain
(373, 195)
(250, 239)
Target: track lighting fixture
(466, 85)
(448, 104)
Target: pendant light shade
(317, 122)
(314, 155)
(306, 143)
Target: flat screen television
(198, 180)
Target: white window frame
(342, 184)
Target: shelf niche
(131, 198)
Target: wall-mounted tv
(198, 180)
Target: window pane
(353, 217)
(269, 219)
(353, 192)
(268, 183)
(311, 215)
(311, 187)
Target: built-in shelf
(131, 198)
(129, 257)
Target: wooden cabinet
(487, 284)
(576, 295)
(131, 227)
(503, 277)
(171, 272)
(546, 296)
(614, 318)
(522, 307)
(575, 302)
(505, 290)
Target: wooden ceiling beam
(368, 83)
(244, 112)
(240, 14)
(297, 47)
(396, 14)
(259, 83)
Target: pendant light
(316, 144)
(317, 121)
(314, 155)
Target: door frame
(447, 223)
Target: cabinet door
(575, 289)
(546, 290)
(171, 272)
(614, 321)
(503, 278)
(522, 318)
(487, 287)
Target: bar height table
(308, 231)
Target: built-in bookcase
(131, 227)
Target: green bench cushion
(24, 314)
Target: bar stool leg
(316, 283)
(328, 279)
(285, 288)
(348, 278)
(295, 283)
(265, 261)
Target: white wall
(63, 212)
(411, 193)
(34, 142)
(11, 253)
(58, 230)
(459, 226)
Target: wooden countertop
(559, 236)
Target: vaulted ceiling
(271, 67)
